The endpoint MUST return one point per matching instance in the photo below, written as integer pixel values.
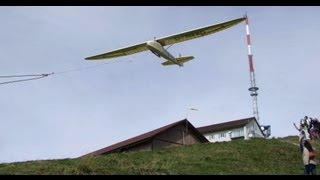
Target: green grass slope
(257, 156)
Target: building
(238, 129)
(175, 134)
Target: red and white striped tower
(253, 89)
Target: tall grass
(257, 156)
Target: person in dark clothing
(309, 160)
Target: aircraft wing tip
(91, 58)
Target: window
(212, 136)
(237, 133)
(222, 135)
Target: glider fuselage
(157, 49)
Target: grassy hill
(257, 156)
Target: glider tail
(180, 60)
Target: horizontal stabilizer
(180, 60)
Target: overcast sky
(70, 114)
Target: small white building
(238, 129)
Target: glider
(156, 46)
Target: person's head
(308, 145)
(312, 120)
(301, 122)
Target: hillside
(257, 156)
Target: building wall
(146, 146)
(235, 133)
(160, 144)
(173, 137)
(178, 135)
(191, 139)
(253, 129)
(225, 135)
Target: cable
(13, 76)
(89, 67)
(39, 76)
(8, 82)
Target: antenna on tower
(253, 89)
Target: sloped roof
(146, 137)
(226, 125)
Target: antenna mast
(253, 89)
